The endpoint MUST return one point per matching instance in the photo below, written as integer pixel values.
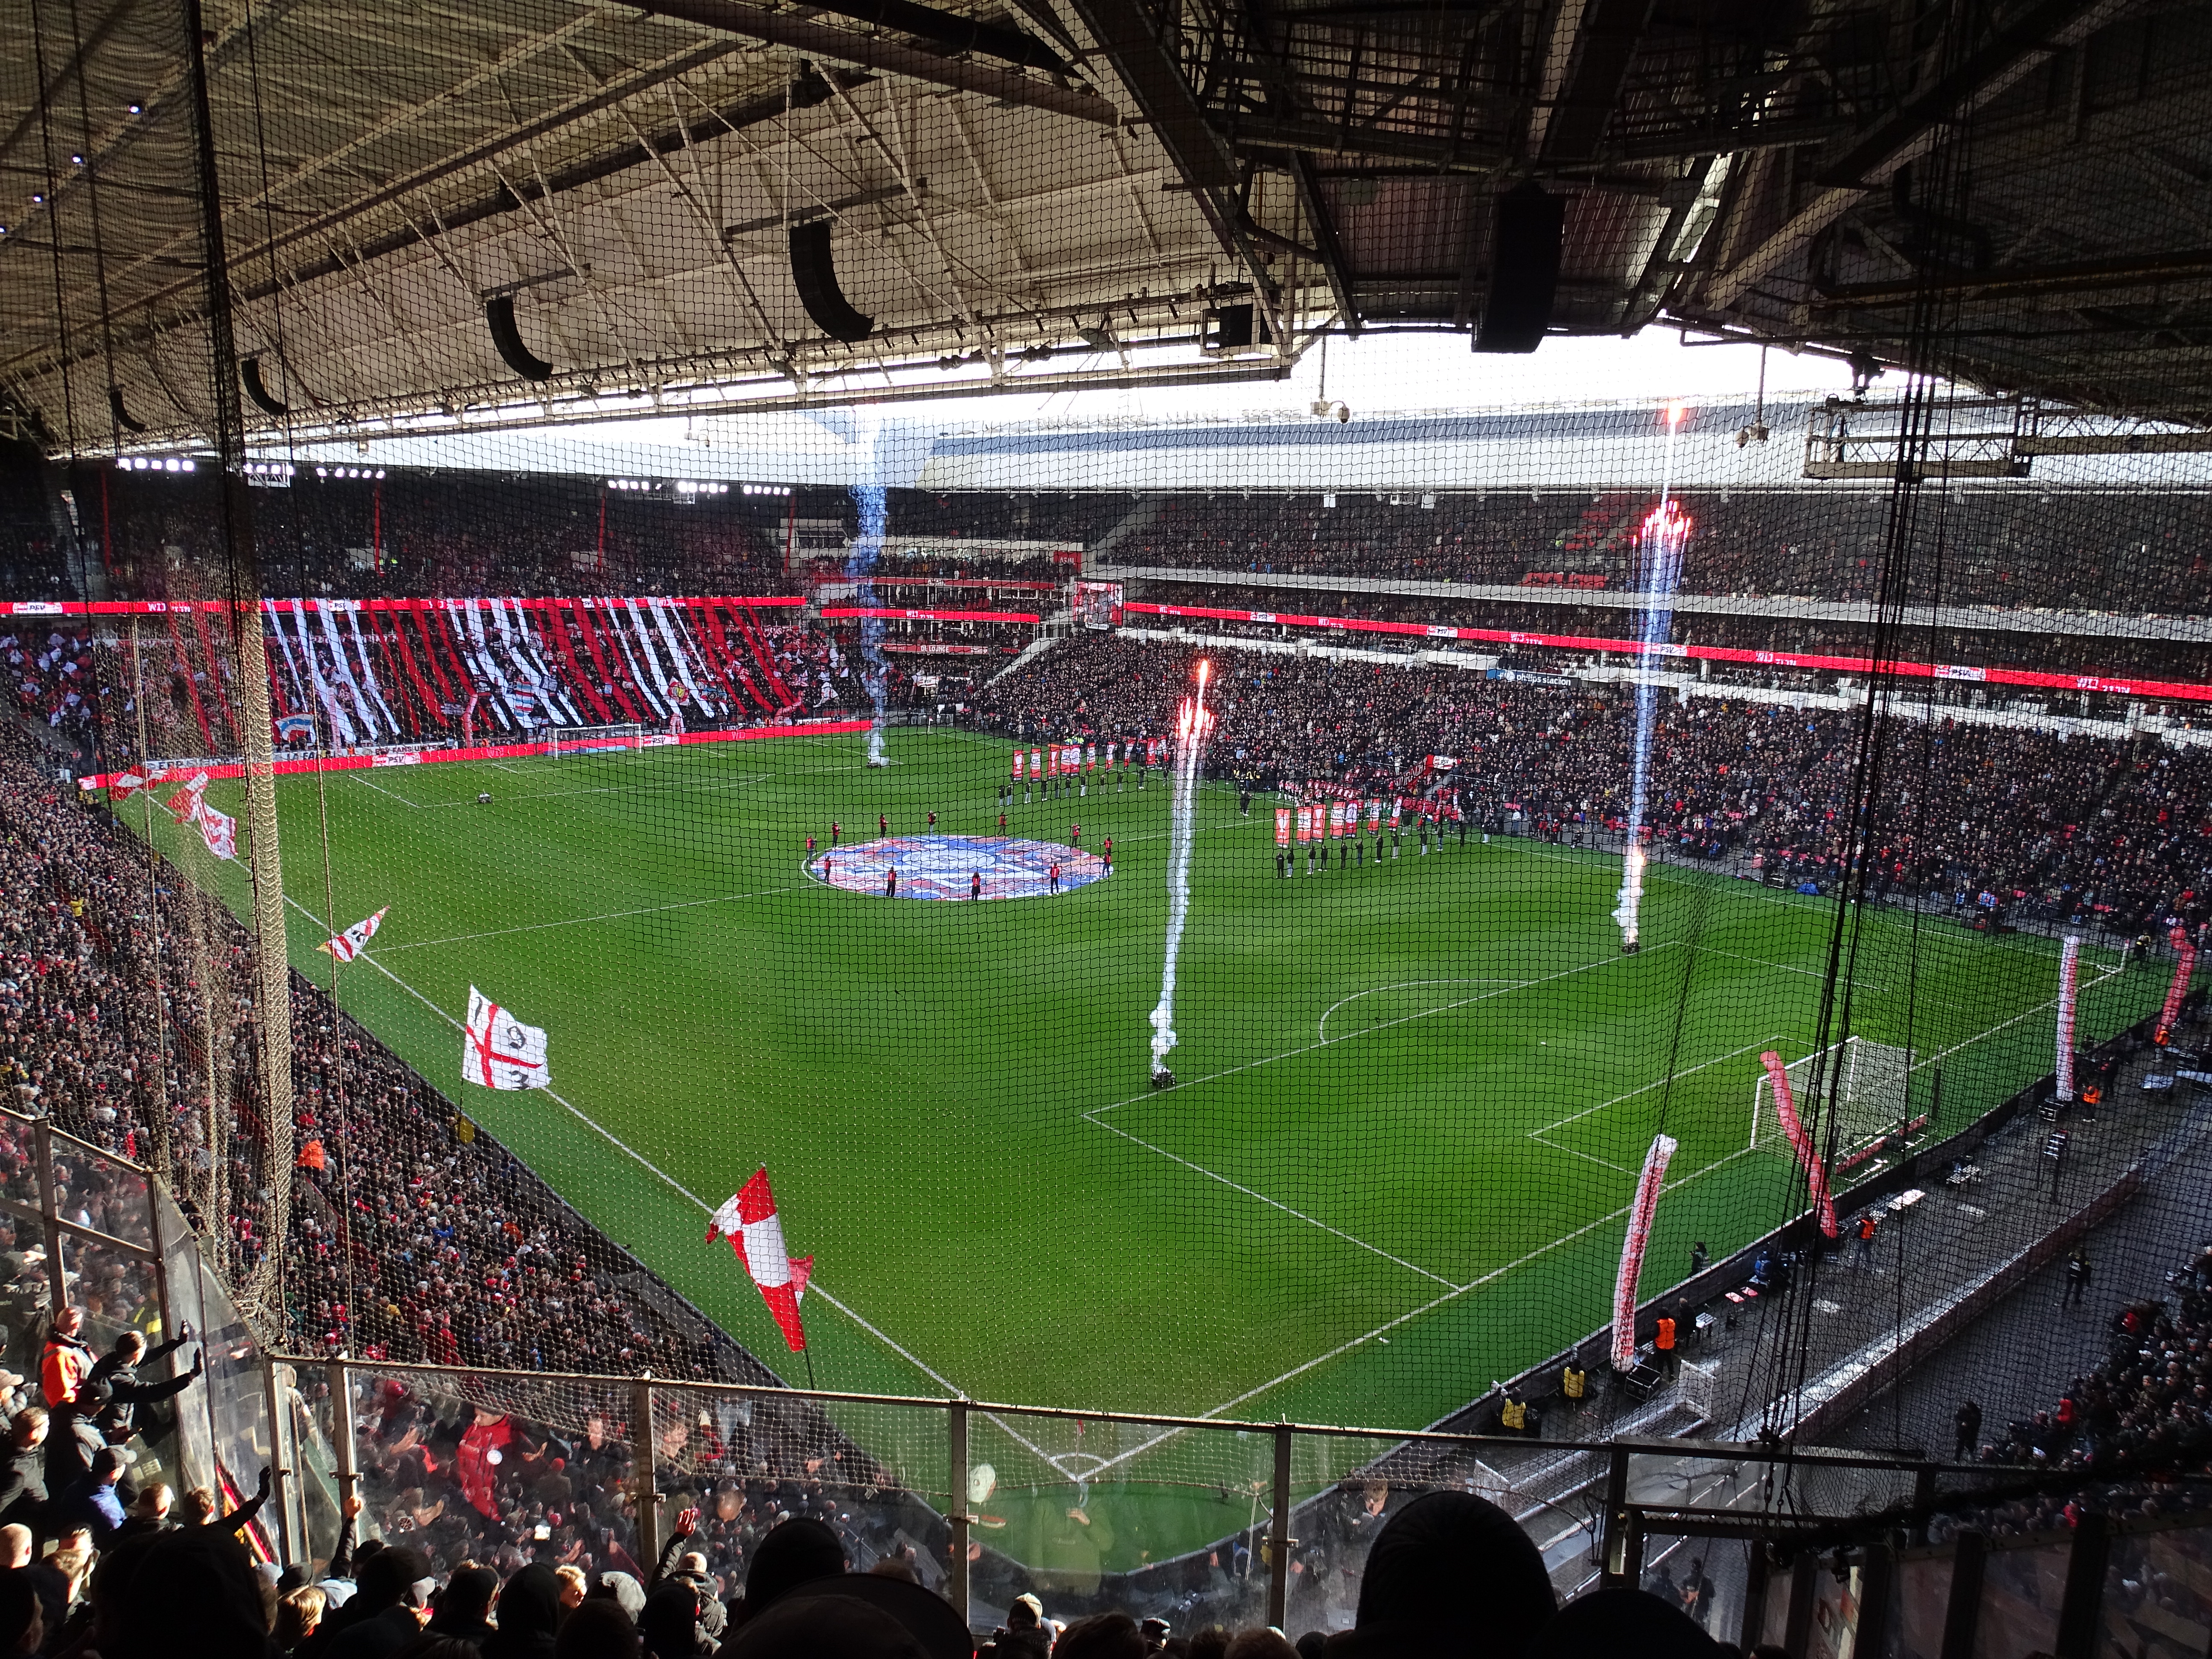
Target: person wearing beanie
(1450, 1577)
(793, 1553)
(386, 1613)
(529, 1615)
(1621, 1620)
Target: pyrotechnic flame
(1192, 722)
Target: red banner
(2185, 690)
(889, 613)
(490, 751)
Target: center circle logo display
(943, 867)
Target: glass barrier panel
(1157, 1521)
(1750, 1485)
(2022, 1589)
(2158, 1595)
(236, 1404)
(93, 1189)
(1923, 1602)
(304, 1393)
(19, 1161)
(118, 1290)
(120, 1293)
(24, 1303)
(875, 1474)
(501, 1469)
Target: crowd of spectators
(1988, 818)
(2148, 1403)
(2002, 548)
(1445, 1574)
(2107, 656)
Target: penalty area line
(1412, 1313)
(1369, 1030)
(1274, 1203)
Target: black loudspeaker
(1525, 233)
(249, 375)
(508, 338)
(816, 277)
(1239, 328)
(122, 415)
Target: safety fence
(1196, 1520)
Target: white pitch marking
(1272, 1202)
(579, 921)
(1322, 1030)
(389, 794)
(1653, 1084)
(813, 1284)
(1382, 1330)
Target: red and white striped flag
(2184, 965)
(1785, 1108)
(1649, 1185)
(498, 1051)
(350, 943)
(749, 1220)
(2069, 985)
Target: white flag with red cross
(498, 1051)
(749, 1222)
(350, 944)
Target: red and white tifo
(748, 1219)
(947, 867)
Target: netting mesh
(585, 821)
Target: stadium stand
(1755, 785)
(1910, 651)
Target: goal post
(1863, 1087)
(595, 740)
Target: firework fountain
(1193, 723)
(860, 566)
(1659, 547)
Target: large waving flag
(756, 1233)
(350, 943)
(186, 805)
(498, 1051)
(218, 829)
(1649, 1185)
(1816, 1173)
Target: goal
(1865, 1086)
(594, 740)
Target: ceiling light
(38, 196)
(77, 161)
(136, 109)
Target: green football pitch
(1412, 1095)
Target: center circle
(947, 866)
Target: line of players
(1044, 773)
(1352, 852)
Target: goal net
(595, 740)
(1862, 1086)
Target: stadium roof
(438, 217)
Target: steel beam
(1145, 61)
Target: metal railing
(1200, 1520)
